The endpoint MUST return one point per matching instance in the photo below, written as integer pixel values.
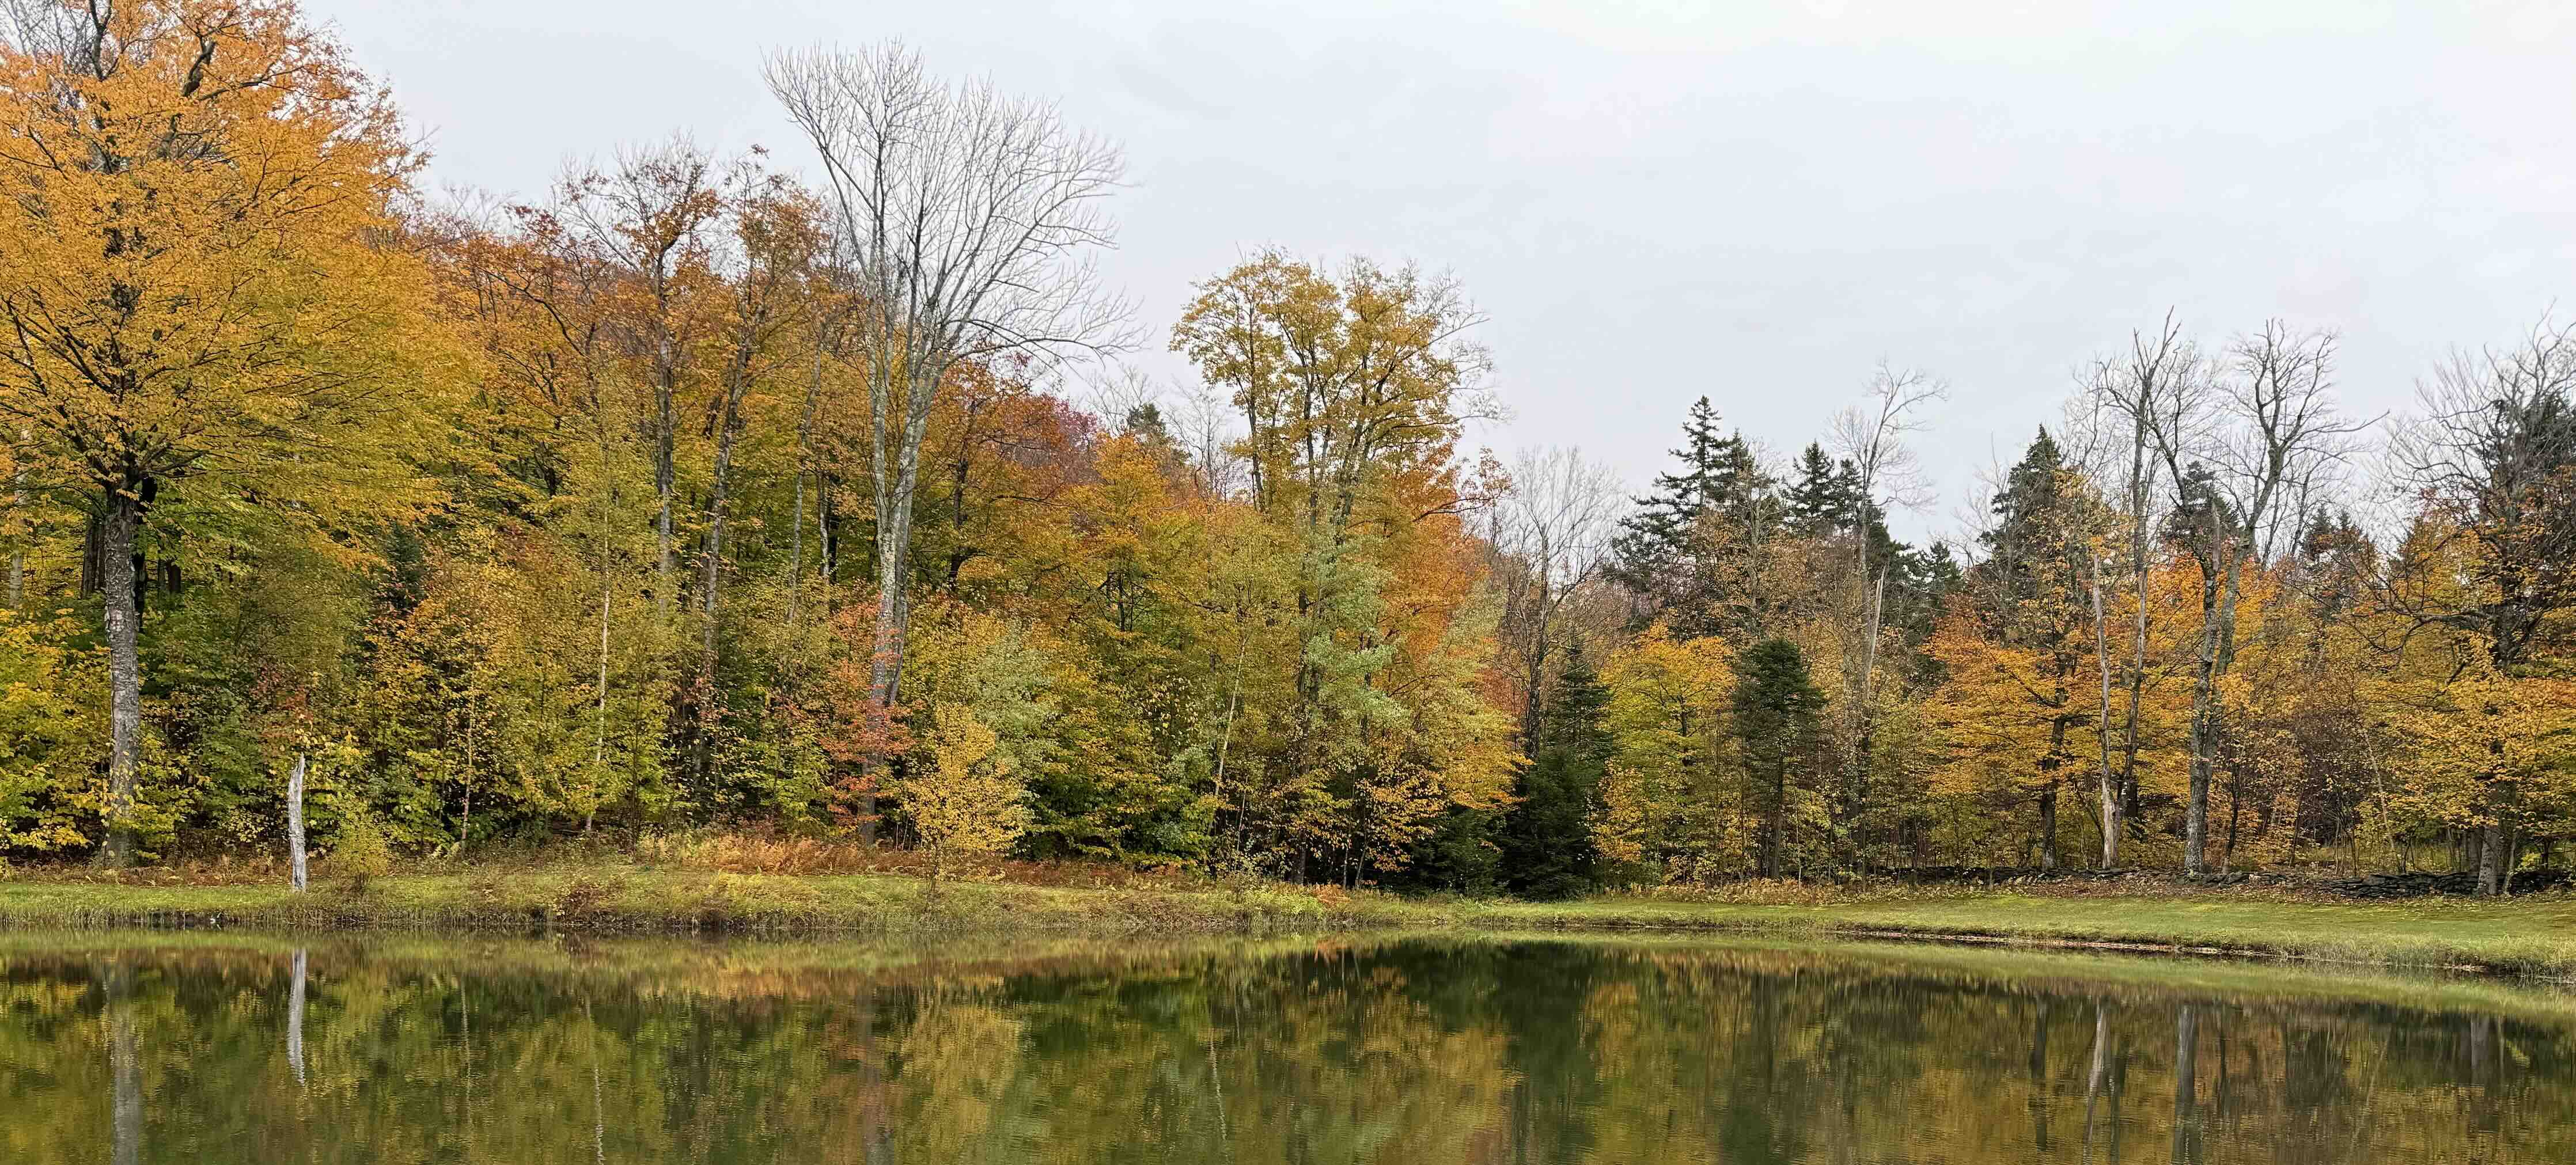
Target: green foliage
(1547, 842)
(1776, 717)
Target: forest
(807, 492)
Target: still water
(223, 1049)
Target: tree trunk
(295, 828)
(2138, 570)
(2491, 859)
(1771, 829)
(1876, 595)
(2048, 828)
(2110, 781)
(827, 551)
(2204, 715)
(19, 534)
(123, 616)
(804, 469)
(894, 548)
(665, 479)
(728, 429)
(599, 727)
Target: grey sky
(1658, 200)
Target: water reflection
(1409, 1051)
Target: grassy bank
(2531, 935)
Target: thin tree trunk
(665, 479)
(1876, 595)
(599, 728)
(804, 468)
(2110, 782)
(295, 830)
(1771, 829)
(728, 430)
(826, 555)
(124, 617)
(19, 534)
(2204, 702)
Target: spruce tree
(1776, 720)
(2027, 501)
(1656, 537)
(1547, 842)
(1817, 502)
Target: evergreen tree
(1664, 551)
(1654, 538)
(1547, 848)
(1818, 500)
(1740, 486)
(1776, 718)
(2023, 508)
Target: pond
(223, 1048)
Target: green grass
(2534, 935)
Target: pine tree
(1547, 849)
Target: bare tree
(1872, 436)
(1549, 533)
(1207, 432)
(967, 219)
(2230, 446)
(1122, 396)
(2134, 390)
(2493, 455)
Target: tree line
(689, 494)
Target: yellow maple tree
(206, 278)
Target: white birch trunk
(295, 840)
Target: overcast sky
(1655, 201)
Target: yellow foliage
(961, 797)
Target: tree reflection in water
(1401, 1052)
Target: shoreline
(2532, 936)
